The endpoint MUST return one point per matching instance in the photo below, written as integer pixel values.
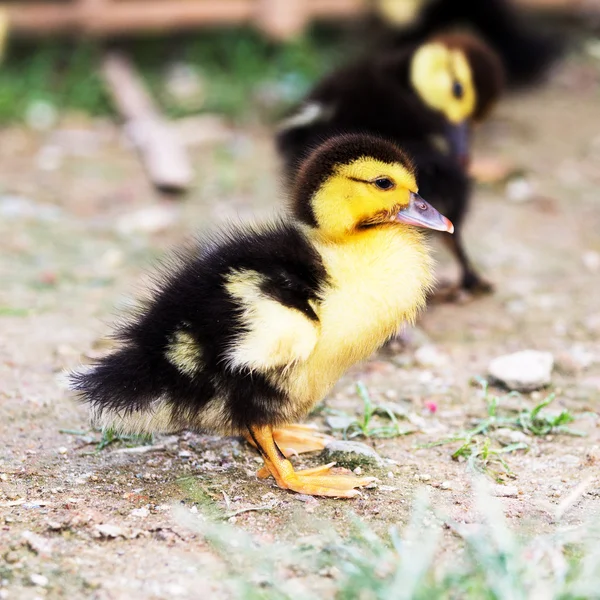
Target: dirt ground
(79, 229)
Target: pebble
(430, 356)
(523, 371)
(11, 557)
(39, 580)
(148, 220)
(519, 190)
(109, 531)
(62, 450)
(505, 491)
(339, 422)
(446, 485)
(357, 471)
(142, 513)
(352, 454)
(39, 544)
(508, 436)
(591, 261)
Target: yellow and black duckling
(527, 49)
(254, 327)
(424, 98)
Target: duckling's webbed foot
(298, 439)
(474, 284)
(471, 281)
(314, 482)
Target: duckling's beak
(422, 214)
(458, 137)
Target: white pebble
(357, 471)
(37, 579)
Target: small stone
(430, 356)
(185, 454)
(523, 371)
(339, 422)
(357, 471)
(519, 190)
(39, 544)
(508, 436)
(109, 531)
(142, 513)
(39, 580)
(505, 491)
(425, 477)
(446, 485)
(62, 450)
(3, 477)
(591, 261)
(390, 475)
(11, 557)
(153, 219)
(352, 454)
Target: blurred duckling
(245, 333)
(424, 98)
(526, 49)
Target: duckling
(245, 333)
(423, 98)
(527, 50)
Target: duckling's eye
(383, 183)
(457, 90)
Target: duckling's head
(352, 182)
(459, 76)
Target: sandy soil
(79, 228)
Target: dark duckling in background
(526, 48)
(426, 99)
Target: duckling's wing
(278, 322)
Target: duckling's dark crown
(323, 160)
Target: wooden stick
(100, 17)
(163, 155)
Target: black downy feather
(190, 296)
(527, 50)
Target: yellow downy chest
(378, 281)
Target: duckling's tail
(123, 391)
(526, 51)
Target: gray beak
(422, 214)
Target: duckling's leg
(471, 281)
(295, 439)
(315, 482)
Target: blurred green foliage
(243, 75)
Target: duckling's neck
(373, 238)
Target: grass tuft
(495, 563)
(484, 453)
(370, 422)
(110, 437)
